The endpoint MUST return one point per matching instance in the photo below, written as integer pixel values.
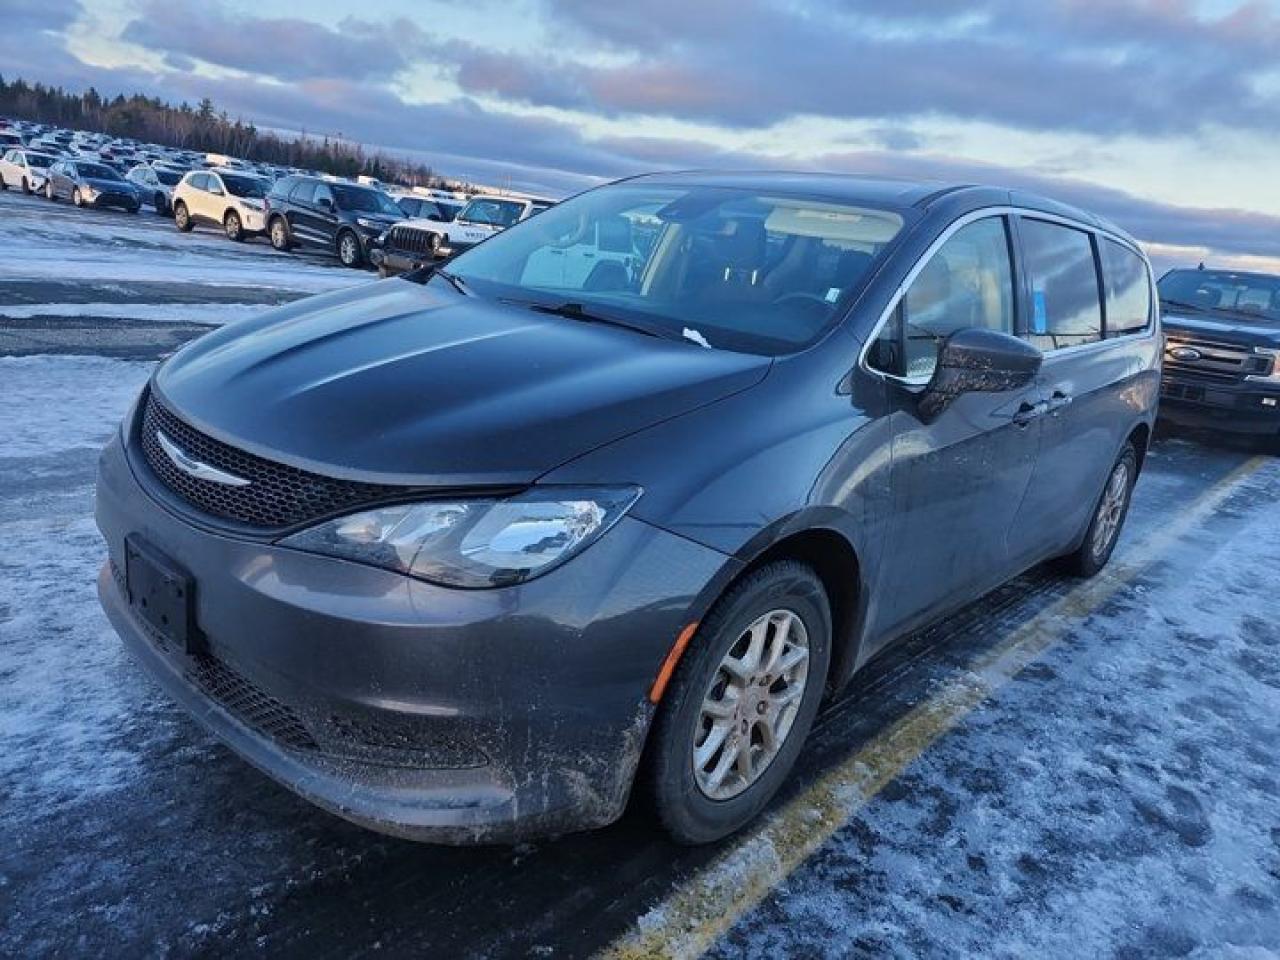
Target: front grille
(1218, 362)
(410, 241)
(277, 495)
(252, 705)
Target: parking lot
(1064, 768)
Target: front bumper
(253, 221)
(121, 201)
(446, 715)
(395, 262)
(1234, 406)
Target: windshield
(733, 268)
(1252, 294)
(96, 171)
(364, 200)
(241, 186)
(170, 178)
(497, 213)
(39, 160)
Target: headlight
(89, 193)
(252, 204)
(371, 224)
(474, 543)
(1274, 375)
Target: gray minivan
(466, 555)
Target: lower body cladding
(1237, 407)
(453, 716)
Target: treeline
(202, 128)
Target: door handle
(1027, 412)
(1058, 401)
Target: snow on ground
(1120, 799)
(204, 313)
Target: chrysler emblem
(190, 465)
(1185, 354)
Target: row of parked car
(362, 222)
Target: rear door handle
(1027, 412)
(1059, 400)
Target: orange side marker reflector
(669, 665)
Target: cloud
(288, 49)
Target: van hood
(396, 382)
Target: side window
(199, 181)
(1128, 289)
(213, 183)
(323, 193)
(1066, 306)
(968, 282)
(303, 192)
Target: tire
(48, 192)
(161, 204)
(3, 185)
(76, 198)
(349, 252)
(1108, 518)
(182, 218)
(26, 187)
(232, 227)
(278, 232)
(683, 791)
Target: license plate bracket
(162, 594)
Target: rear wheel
(349, 251)
(279, 234)
(182, 217)
(741, 704)
(161, 204)
(232, 226)
(1108, 518)
(48, 191)
(26, 187)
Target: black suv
(1222, 350)
(343, 217)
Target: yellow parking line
(690, 919)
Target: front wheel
(349, 249)
(741, 703)
(49, 194)
(76, 198)
(161, 204)
(1108, 518)
(232, 226)
(182, 217)
(26, 187)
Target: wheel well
(1140, 436)
(835, 562)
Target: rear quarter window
(1128, 289)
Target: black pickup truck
(1221, 350)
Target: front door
(957, 481)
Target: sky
(1163, 115)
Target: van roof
(880, 191)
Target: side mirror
(974, 360)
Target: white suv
(232, 201)
(25, 169)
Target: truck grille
(410, 241)
(1216, 362)
(276, 496)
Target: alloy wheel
(348, 250)
(751, 705)
(1111, 509)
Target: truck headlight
(474, 543)
(1274, 376)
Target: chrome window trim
(982, 214)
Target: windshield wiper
(576, 311)
(1186, 306)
